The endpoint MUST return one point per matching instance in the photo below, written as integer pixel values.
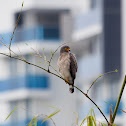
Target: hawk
(67, 65)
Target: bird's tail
(71, 88)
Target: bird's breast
(64, 65)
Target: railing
(35, 33)
(28, 81)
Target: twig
(8, 48)
(110, 114)
(99, 77)
(37, 54)
(52, 54)
(14, 30)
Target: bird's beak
(67, 49)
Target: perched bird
(67, 65)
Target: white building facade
(100, 32)
(43, 26)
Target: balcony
(35, 33)
(27, 82)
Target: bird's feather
(73, 66)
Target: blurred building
(100, 32)
(94, 27)
(42, 27)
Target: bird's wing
(73, 66)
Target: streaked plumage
(67, 65)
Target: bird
(67, 65)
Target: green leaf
(22, 3)
(10, 36)
(30, 53)
(83, 121)
(54, 113)
(77, 117)
(11, 112)
(94, 121)
(69, 42)
(33, 122)
(39, 62)
(85, 118)
(89, 121)
(50, 106)
(26, 44)
(93, 116)
(100, 75)
(116, 70)
(52, 53)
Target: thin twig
(8, 48)
(99, 77)
(37, 54)
(15, 29)
(52, 54)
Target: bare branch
(15, 29)
(99, 77)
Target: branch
(60, 78)
(93, 103)
(99, 77)
(15, 29)
(118, 101)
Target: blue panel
(113, 102)
(39, 35)
(37, 81)
(28, 81)
(4, 85)
(51, 33)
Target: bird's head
(64, 49)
